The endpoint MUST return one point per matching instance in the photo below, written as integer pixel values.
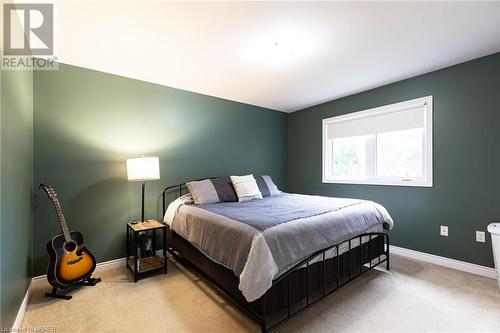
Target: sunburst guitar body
(70, 261)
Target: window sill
(380, 182)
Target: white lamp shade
(143, 168)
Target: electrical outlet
(480, 236)
(444, 230)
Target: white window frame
(425, 181)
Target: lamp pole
(142, 211)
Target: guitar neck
(62, 220)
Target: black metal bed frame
(329, 274)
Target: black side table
(148, 264)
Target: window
(388, 145)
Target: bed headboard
(178, 189)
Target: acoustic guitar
(70, 261)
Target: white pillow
(246, 188)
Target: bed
(276, 256)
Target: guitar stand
(54, 294)
(90, 281)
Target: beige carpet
(412, 297)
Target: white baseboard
(16, 327)
(446, 262)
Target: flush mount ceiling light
(283, 51)
(279, 46)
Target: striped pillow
(267, 186)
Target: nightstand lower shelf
(147, 264)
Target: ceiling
(279, 55)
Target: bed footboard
(321, 274)
(298, 288)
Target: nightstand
(136, 262)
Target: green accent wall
(16, 179)
(87, 123)
(465, 195)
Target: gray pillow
(267, 186)
(203, 192)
